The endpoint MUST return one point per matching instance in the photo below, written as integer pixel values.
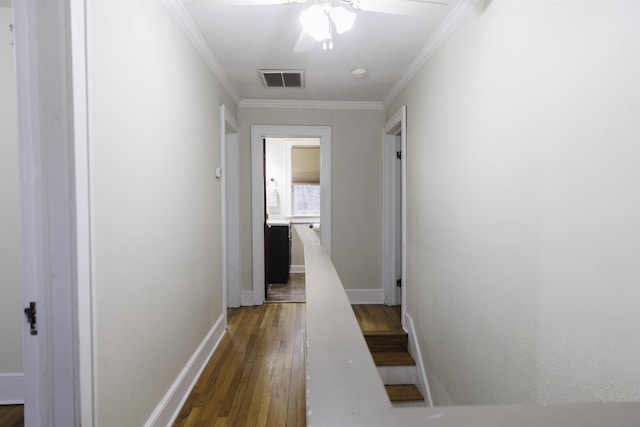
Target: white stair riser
(398, 374)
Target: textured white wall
(523, 204)
(356, 161)
(154, 135)
(10, 247)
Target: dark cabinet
(277, 253)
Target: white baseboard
(11, 389)
(414, 351)
(169, 407)
(246, 299)
(296, 269)
(365, 296)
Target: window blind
(305, 164)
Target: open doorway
(292, 184)
(230, 208)
(394, 266)
(271, 215)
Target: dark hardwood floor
(11, 415)
(293, 291)
(256, 375)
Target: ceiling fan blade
(421, 8)
(305, 42)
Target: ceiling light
(318, 21)
(342, 19)
(315, 21)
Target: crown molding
(179, 12)
(317, 105)
(460, 11)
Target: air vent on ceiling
(282, 78)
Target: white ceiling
(244, 39)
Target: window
(306, 199)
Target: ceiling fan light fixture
(315, 22)
(342, 19)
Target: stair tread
(386, 358)
(403, 392)
(385, 333)
(386, 342)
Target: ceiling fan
(324, 17)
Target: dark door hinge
(30, 313)
(399, 155)
(399, 283)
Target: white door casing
(258, 133)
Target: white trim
(246, 299)
(448, 26)
(85, 256)
(169, 407)
(179, 12)
(12, 389)
(365, 296)
(258, 133)
(414, 350)
(317, 105)
(296, 269)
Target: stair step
(387, 340)
(389, 358)
(403, 393)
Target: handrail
(343, 384)
(344, 389)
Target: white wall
(275, 167)
(10, 247)
(523, 204)
(154, 136)
(356, 162)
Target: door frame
(258, 134)
(394, 127)
(230, 210)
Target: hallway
(256, 375)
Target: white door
(398, 220)
(394, 262)
(43, 62)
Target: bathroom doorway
(292, 187)
(278, 208)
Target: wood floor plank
(256, 376)
(11, 415)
